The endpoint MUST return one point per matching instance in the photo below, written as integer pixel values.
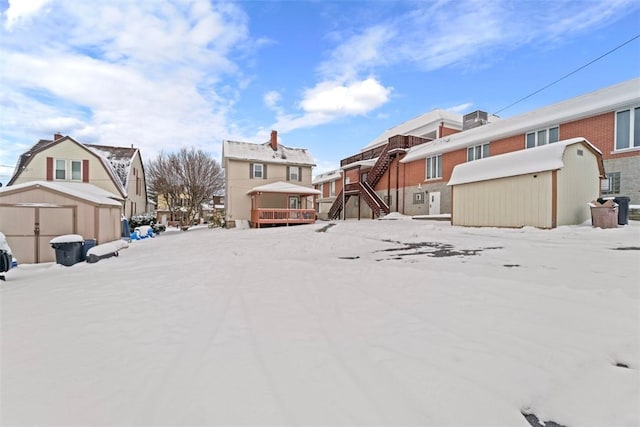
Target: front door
(294, 202)
(434, 203)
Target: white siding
(578, 184)
(505, 202)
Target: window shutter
(49, 168)
(250, 170)
(264, 171)
(85, 171)
(288, 173)
(299, 173)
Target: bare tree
(185, 180)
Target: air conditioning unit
(475, 119)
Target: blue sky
(330, 76)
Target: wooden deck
(265, 216)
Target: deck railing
(282, 216)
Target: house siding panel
(506, 202)
(578, 184)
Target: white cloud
(144, 73)
(271, 100)
(22, 10)
(335, 98)
(460, 108)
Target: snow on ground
(368, 323)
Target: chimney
(56, 136)
(274, 140)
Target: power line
(569, 74)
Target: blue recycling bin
(88, 244)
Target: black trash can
(623, 209)
(67, 253)
(88, 244)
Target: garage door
(30, 228)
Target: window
(258, 171)
(611, 184)
(76, 170)
(332, 188)
(542, 137)
(418, 198)
(293, 173)
(434, 167)
(61, 169)
(628, 128)
(477, 152)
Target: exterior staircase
(366, 190)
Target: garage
(543, 187)
(31, 214)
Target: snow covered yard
(401, 322)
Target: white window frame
(254, 171)
(56, 169)
(71, 162)
(634, 143)
(536, 136)
(477, 152)
(433, 162)
(294, 176)
(332, 188)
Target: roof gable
(43, 145)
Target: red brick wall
(450, 160)
(598, 130)
(445, 131)
(414, 173)
(506, 145)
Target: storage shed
(543, 187)
(32, 213)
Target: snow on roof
(419, 126)
(590, 104)
(539, 159)
(120, 159)
(283, 187)
(264, 153)
(327, 176)
(364, 163)
(84, 191)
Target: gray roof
(264, 153)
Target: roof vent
(475, 119)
